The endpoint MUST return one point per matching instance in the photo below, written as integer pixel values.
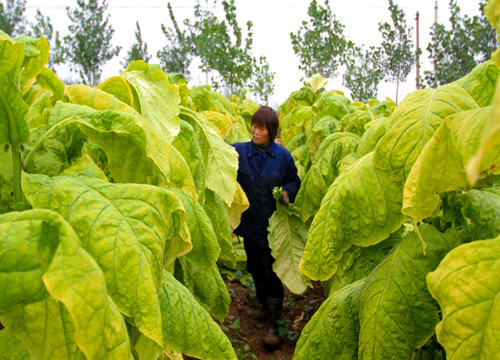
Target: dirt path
(247, 333)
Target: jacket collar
(252, 150)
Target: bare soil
(246, 333)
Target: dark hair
(266, 116)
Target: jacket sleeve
(292, 180)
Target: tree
(43, 27)
(320, 43)
(12, 19)
(397, 58)
(88, 45)
(223, 51)
(456, 51)
(263, 83)
(363, 73)
(138, 50)
(176, 56)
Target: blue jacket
(258, 174)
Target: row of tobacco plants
(118, 202)
(398, 216)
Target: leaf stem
(424, 245)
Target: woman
(263, 165)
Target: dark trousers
(260, 265)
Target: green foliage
(320, 43)
(12, 19)
(87, 47)
(223, 51)
(138, 50)
(397, 59)
(363, 73)
(176, 56)
(456, 51)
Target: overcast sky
(273, 20)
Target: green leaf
(11, 347)
(36, 55)
(159, 100)
(50, 250)
(490, 142)
(442, 164)
(187, 326)
(13, 127)
(467, 287)
(120, 88)
(48, 80)
(220, 159)
(206, 250)
(413, 123)
(206, 285)
(362, 207)
(187, 144)
(480, 83)
(397, 314)
(214, 207)
(124, 227)
(332, 333)
(374, 132)
(32, 324)
(134, 153)
(299, 120)
(287, 238)
(482, 209)
(323, 172)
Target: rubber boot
(274, 307)
(261, 313)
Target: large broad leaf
(362, 207)
(358, 262)
(33, 322)
(214, 207)
(188, 327)
(332, 333)
(492, 10)
(11, 347)
(482, 209)
(159, 100)
(134, 154)
(206, 249)
(323, 172)
(397, 314)
(36, 55)
(467, 287)
(238, 206)
(480, 83)
(299, 120)
(39, 245)
(48, 80)
(374, 132)
(120, 88)
(187, 144)
(13, 127)
(442, 164)
(221, 159)
(287, 238)
(124, 227)
(206, 285)
(490, 142)
(412, 125)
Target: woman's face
(260, 135)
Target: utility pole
(418, 51)
(435, 23)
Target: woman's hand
(284, 199)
